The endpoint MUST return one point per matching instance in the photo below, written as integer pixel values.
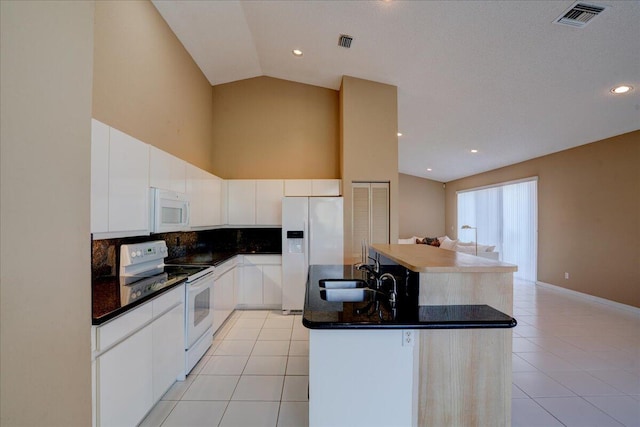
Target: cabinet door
(224, 298)
(125, 381)
(229, 292)
(224, 202)
(250, 286)
(99, 177)
(194, 190)
(168, 350)
(269, 195)
(297, 187)
(128, 183)
(218, 302)
(212, 192)
(204, 190)
(166, 171)
(325, 187)
(272, 284)
(241, 202)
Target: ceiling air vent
(580, 14)
(345, 41)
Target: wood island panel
(463, 376)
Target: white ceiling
(496, 76)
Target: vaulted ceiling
(499, 77)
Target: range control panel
(143, 252)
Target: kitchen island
(438, 356)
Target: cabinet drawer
(122, 326)
(263, 259)
(165, 301)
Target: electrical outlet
(407, 338)
(566, 275)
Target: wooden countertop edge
(428, 259)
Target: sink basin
(342, 283)
(355, 294)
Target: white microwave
(169, 211)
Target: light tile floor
(256, 373)
(576, 362)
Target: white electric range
(142, 268)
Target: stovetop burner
(189, 270)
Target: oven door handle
(200, 283)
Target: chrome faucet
(372, 269)
(393, 295)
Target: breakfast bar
(429, 347)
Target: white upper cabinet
(99, 177)
(119, 183)
(312, 187)
(128, 183)
(224, 202)
(297, 187)
(166, 171)
(212, 194)
(269, 193)
(205, 194)
(325, 187)
(254, 202)
(241, 202)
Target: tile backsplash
(105, 254)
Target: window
(505, 215)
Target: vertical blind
(506, 216)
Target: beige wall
(588, 215)
(147, 85)
(369, 145)
(271, 128)
(45, 266)
(421, 207)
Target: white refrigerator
(312, 233)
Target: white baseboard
(629, 308)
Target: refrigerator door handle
(307, 244)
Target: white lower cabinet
(340, 358)
(224, 292)
(138, 356)
(260, 281)
(251, 286)
(124, 375)
(167, 350)
(272, 284)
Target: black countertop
(111, 295)
(375, 311)
(214, 258)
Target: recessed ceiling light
(399, 133)
(474, 151)
(621, 89)
(429, 169)
(296, 52)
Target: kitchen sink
(354, 294)
(342, 284)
